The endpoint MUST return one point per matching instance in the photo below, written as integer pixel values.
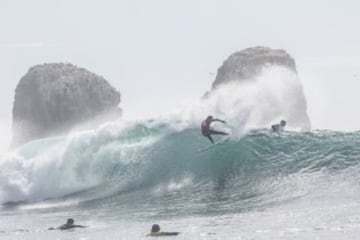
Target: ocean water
(292, 185)
(124, 176)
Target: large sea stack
(248, 64)
(53, 98)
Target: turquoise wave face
(147, 166)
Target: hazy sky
(160, 53)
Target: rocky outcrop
(288, 101)
(248, 63)
(53, 98)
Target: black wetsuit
(159, 234)
(277, 128)
(67, 226)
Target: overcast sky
(162, 53)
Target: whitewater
(122, 177)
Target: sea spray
(122, 151)
(275, 94)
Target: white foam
(70, 164)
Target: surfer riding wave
(207, 131)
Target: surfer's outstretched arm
(79, 226)
(218, 120)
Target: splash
(273, 95)
(131, 155)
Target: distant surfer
(68, 225)
(279, 127)
(155, 232)
(206, 130)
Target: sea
(122, 177)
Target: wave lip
(56, 167)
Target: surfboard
(213, 145)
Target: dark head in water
(70, 221)
(155, 232)
(155, 228)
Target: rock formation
(53, 98)
(248, 64)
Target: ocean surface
(119, 181)
(120, 178)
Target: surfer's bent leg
(210, 138)
(218, 132)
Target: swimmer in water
(279, 127)
(155, 232)
(68, 225)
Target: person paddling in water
(68, 225)
(206, 130)
(279, 127)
